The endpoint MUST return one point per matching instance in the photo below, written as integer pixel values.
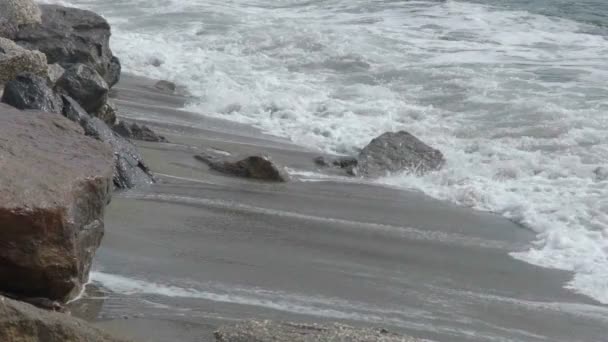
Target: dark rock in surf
(348, 164)
(398, 152)
(84, 85)
(165, 86)
(28, 91)
(69, 36)
(253, 167)
(137, 132)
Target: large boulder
(19, 12)
(398, 152)
(268, 331)
(15, 59)
(85, 85)
(130, 170)
(28, 91)
(137, 132)
(253, 167)
(20, 322)
(69, 36)
(54, 185)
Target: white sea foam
(516, 101)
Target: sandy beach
(200, 249)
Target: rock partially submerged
(165, 86)
(398, 152)
(68, 36)
(14, 59)
(54, 185)
(28, 91)
(267, 331)
(254, 167)
(137, 132)
(20, 322)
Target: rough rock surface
(19, 12)
(254, 167)
(398, 152)
(54, 73)
(54, 185)
(86, 86)
(107, 113)
(267, 331)
(68, 36)
(166, 86)
(20, 322)
(28, 91)
(14, 59)
(137, 132)
(130, 170)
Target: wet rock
(86, 86)
(601, 173)
(14, 60)
(21, 322)
(107, 113)
(166, 86)
(137, 132)
(398, 152)
(348, 164)
(54, 185)
(28, 91)
(112, 75)
(19, 12)
(54, 73)
(68, 36)
(254, 167)
(268, 331)
(130, 170)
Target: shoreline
(463, 253)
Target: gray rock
(54, 186)
(130, 170)
(54, 73)
(398, 152)
(19, 12)
(137, 132)
(20, 322)
(14, 60)
(268, 331)
(254, 167)
(107, 113)
(85, 85)
(69, 36)
(28, 91)
(166, 86)
(601, 173)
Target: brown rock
(254, 167)
(54, 185)
(14, 60)
(20, 322)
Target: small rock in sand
(254, 167)
(137, 132)
(165, 86)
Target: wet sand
(200, 249)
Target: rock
(137, 132)
(166, 86)
(54, 73)
(86, 86)
(19, 12)
(130, 170)
(398, 152)
(267, 331)
(68, 36)
(14, 60)
(254, 167)
(28, 91)
(348, 164)
(107, 113)
(601, 173)
(20, 322)
(54, 185)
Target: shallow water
(513, 92)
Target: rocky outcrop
(69, 36)
(86, 86)
(254, 167)
(19, 12)
(136, 132)
(130, 170)
(20, 322)
(54, 185)
(267, 331)
(15, 59)
(398, 152)
(28, 91)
